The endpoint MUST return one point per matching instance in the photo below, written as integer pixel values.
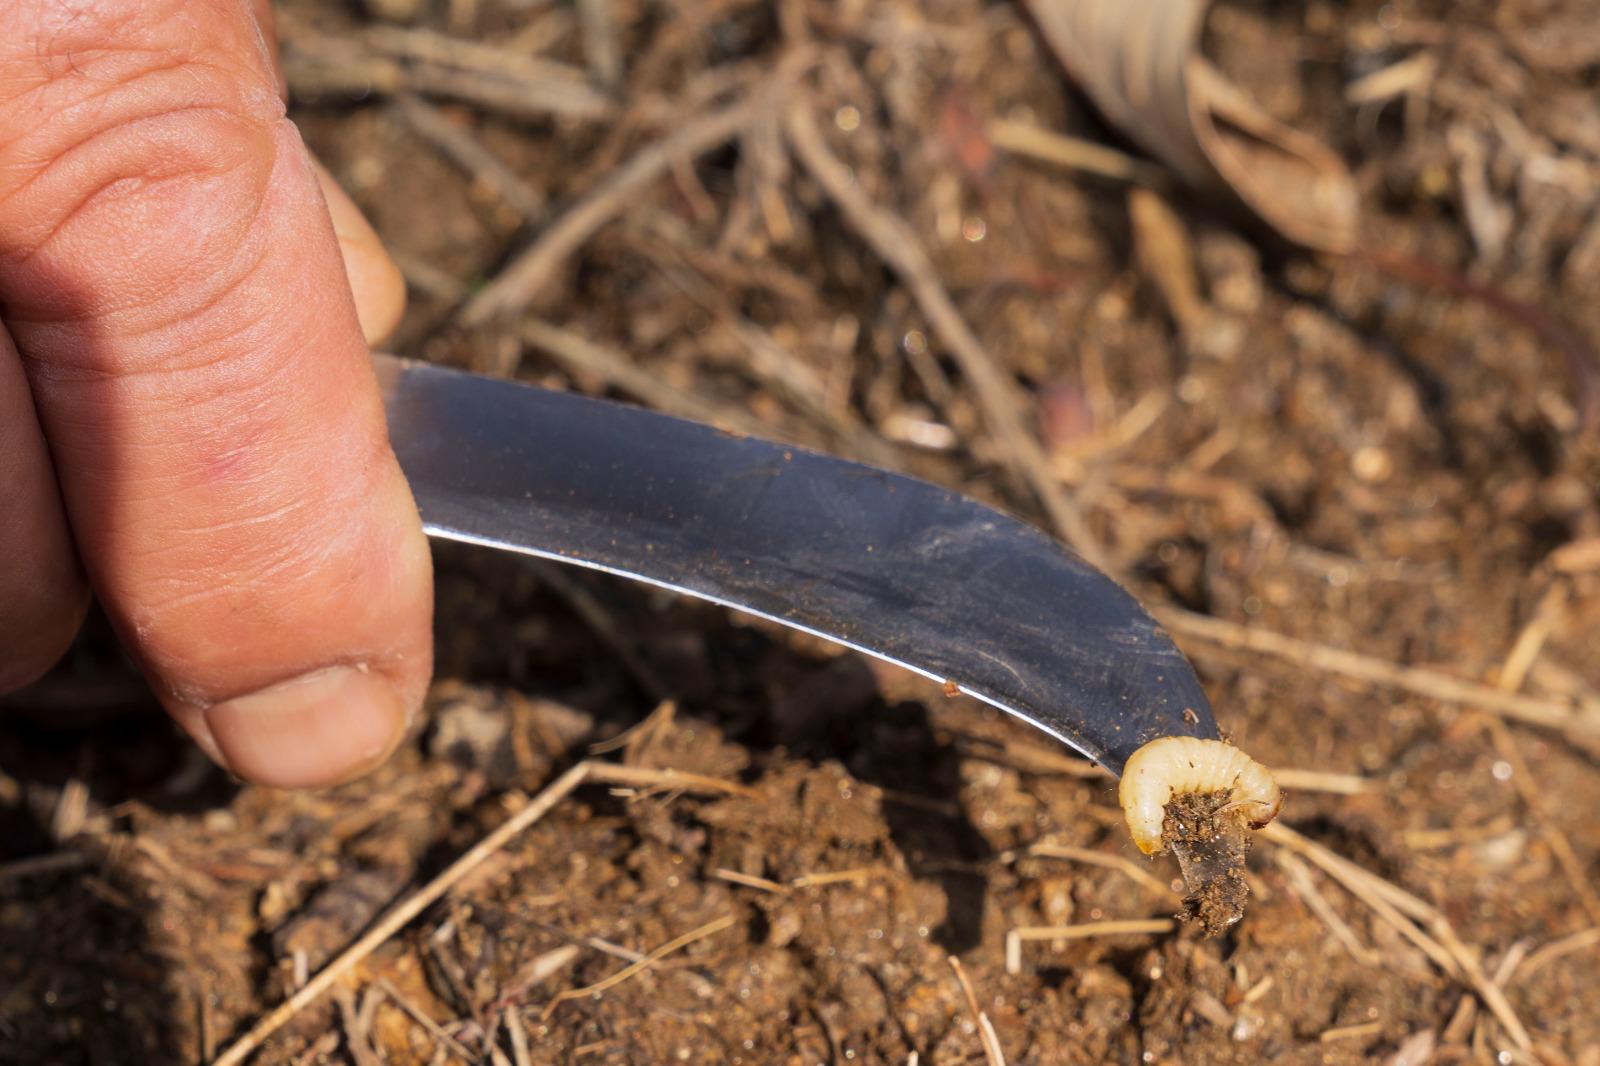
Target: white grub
(1173, 766)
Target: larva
(1172, 766)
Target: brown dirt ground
(1338, 455)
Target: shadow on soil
(84, 976)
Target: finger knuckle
(135, 145)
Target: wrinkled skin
(189, 424)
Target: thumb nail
(318, 729)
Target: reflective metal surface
(893, 567)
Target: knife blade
(897, 568)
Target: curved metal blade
(897, 568)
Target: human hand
(189, 422)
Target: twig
(408, 42)
(402, 913)
(1324, 781)
(417, 1015)
(467, 152)
(1397, 79)
(750, 881)
(664, 778)
(519, 1037)
(1123, 865)
(317, 65)
(1082, 931)
(1433, 839)
(838, 877)
(1388, 900)
(1519, 660)
(1074, 153)
(637, 738)
(1300, 878)
(1366, 887)
(71, 811)
(714, 926)
(357, 1031)
(583, 356)
(425, 277)
(1551, 713)
(1576, 557)
(1350, 1032)
(1538, 960)
(540, 970)
(598, 25)
(532, 269)
(774, 365)
(40, 865)
(986, 1034)
(896, 243)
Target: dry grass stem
(1369, 889)
(533, 268)
(418, 1015)
(1334, 784)
(402, 913)
(714, 926)
(750, 881)
(1576, 557)
(545, 966)
(637, 738)
(71, 811)
(1083, 931)
(837, 877)
(390, 60)
(1074, 153)
(1397, 79)
(1123, 865)
(1350, 1032)
(519, 1037)
(584, 357)
(42, 865)
(458, 143)
(1556, 949)
(1547, 615)
(1258, 991)
(1300, 880)
(1550, 713)
(992, 1052)
(897, 244)
(664, 779)
(429, 46)
(1432, 839)
(1389, 901)
(357, 1029)
(600, 47)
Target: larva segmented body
(1172, 766)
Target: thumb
(171, 277)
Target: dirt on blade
(1210, 842)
